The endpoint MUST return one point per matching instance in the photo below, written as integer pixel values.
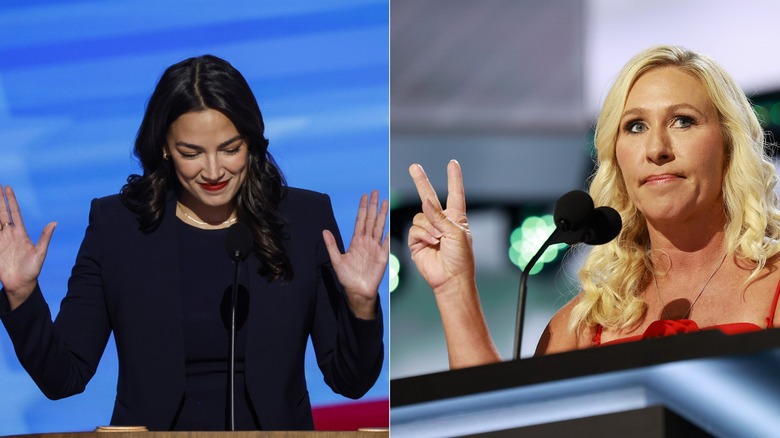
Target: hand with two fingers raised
(441, 247)
(439, 239)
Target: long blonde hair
(614, 273)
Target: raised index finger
(4, 215)
(456, 196)
(14, 215)
(424, 187)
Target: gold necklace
(199, 222)
(685, 315)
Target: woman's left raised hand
(361, 268)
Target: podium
(260, 434)
(704, 383)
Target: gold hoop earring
(165, 155)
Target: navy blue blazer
(127, 282)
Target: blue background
(74, 80)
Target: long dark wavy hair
(197, 84)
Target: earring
(165, 155)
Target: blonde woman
(681, 157)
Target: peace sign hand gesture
(440, 242)
(439, 239)
(20, 260)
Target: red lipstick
(214, 187)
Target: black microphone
(605, 225)
(238, 243)
(572, 213)
(576, 221)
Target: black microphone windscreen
(605, 225)
(573, 210)
(238, 241)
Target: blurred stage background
(74, 80)
(511, 89)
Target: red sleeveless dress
(669, 327)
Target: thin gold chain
(199, 222)
(658, 291)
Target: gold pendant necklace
(685, 315)
(199, 222)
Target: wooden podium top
(379, 433)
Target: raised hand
(361, 268)
(440, 240)
(20, 260)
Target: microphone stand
(597, 227)
(238, 243)
(522, 292)
(562, 234)
(233, 305)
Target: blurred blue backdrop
(74, 80)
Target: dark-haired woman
(152, 269)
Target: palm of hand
(21, 261)
(450, 259)
(361, 268)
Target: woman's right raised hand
(439, 239)
(20, 260)
(440, 242)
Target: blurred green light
(763, 115)
(550, 254)
(774, 114)
(536, 269)
(395, 269)
(525, 241)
